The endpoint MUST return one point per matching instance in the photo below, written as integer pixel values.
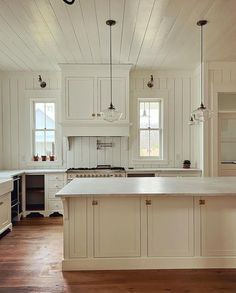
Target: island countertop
(203, 186)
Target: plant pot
(44, 158)
(52, 158)
(186, 164)
(36, 158)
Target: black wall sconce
(69, 2)
(150, 84)
(42, 83)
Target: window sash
(149, 129)
(43, 129)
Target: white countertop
(11, 173)
(150, 186)
(140, 170)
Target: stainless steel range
(99, 171)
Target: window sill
(154, 161)
(48, 163)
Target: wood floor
(30, 261)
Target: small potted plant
(51, 157)
(186, 164)
(36, 157)
(44, 158)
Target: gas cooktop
(99, 167)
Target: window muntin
(44, 131)
(150, 131)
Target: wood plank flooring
(30, 261)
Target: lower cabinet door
(218, 226)
(117, 227)
(5, 210)
(78, 227)
(170, 226)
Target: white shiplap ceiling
(40, 34)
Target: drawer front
(56, 177)
(55, 184)
(55, 205)
(5, 210)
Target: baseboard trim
(148, 263)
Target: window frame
(160, 129)
(33, 129)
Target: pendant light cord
(111, 105)
(201, 52)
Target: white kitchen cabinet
(218, 233)
(80, 98)
(117, 227)
(53, 183)
(5, 212)
(86, 93)
(170, 226)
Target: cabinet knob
(94, 202)
(1, 203)
(201, 201)
(99, 114)
(148, 202)
(93, 115)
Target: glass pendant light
(201, 114)
(111, 114)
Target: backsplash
(84, 152)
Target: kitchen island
(148, 223)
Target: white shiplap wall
(84, 152)
(183, 141)
(221, 77)
(1, 124)
(16, 114)
(181, 90)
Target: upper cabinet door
(118, 94)
(80, 102)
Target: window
(150, 129)
(44, 131)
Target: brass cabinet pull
(201, 201)
(1, 203)
(148, 202)
(99, 114)
(93, 115)
(94, 202)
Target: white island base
(149, 223)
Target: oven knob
(88, 175)
(76, 175)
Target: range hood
(110, 129)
